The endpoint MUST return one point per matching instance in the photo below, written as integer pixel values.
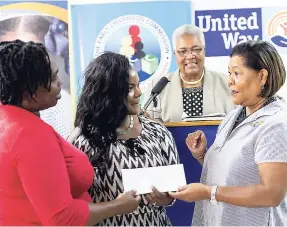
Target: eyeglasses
(194, 51)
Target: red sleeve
(42, 170)
(86, 197)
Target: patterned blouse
(193, 101)
(154, 147)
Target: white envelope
(163, 178)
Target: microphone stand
(152, 98)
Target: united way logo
(141, 40)
(277, 29)
(223, 29)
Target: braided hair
(24, 67)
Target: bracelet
(171, 204)
(201, 156)
(168, 205)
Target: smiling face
(190, 55)
(44, 98)
(246, 84)
(134, 93)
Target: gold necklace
(131, 125)
(193, 82)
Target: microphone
(157, 89)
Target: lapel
(176, 105)
(268, 110)
(228, 123)
(173, 106)
(208, 93)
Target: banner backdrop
(227, 23)
(275, 27)
(225, 28)
(45, 22)
(140, 30)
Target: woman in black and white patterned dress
(114, 137)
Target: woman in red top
(43, 179)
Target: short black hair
(260, 55)
(103, 104)
(24, 67)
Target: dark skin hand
(158, 198)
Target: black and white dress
(154, 147)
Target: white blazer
(216, 97)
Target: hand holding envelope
(158, 198)
(192, 192)
(127, 202)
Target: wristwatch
(212, 195)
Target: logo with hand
(277, 29)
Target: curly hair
(102, 105)
(24, 67)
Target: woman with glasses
(114, 137)
(244, 172)
(193, 90)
